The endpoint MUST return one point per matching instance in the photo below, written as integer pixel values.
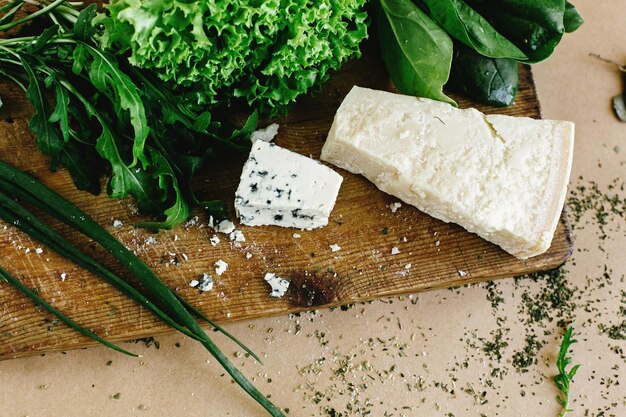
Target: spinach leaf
(572, 20)
(416, 51)
(491, 80)
(467, 26)
(534, 26)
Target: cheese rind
(501, 177)
(282, 188)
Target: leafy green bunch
(109, 117)
(474, 45)
(267, 52)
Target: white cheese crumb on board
(220, 267)
(225, 226)
(237, 236)
(266, 134)
(214, 240)
(395, 206)
(204, 284)
(118, 224)
(395, 251)
(335, 247)
(296, 236)
(279, 285)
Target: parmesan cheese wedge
(502, 177)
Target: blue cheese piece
(282, 188)
(502, 177)
(279, 285)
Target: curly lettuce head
(267, 52)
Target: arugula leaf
(60, 114)
(571, 19)
(48, 138)
(84, 165)
(416, 52)
(83, 29)
(491, 80)
(168, 182)
(42, 40)
(106, 76)
(467, 26)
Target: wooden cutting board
(432, 254)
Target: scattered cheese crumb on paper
(395, 251)
(39, 251)
(335, 247)
(279, 285)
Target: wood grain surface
(440, 255)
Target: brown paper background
(429, 337)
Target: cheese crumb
(395, 206)
(395, 251)
(214, 240)
(462, 273)
(225, 226)
(151, 241)
(63, 276)
(248, 255)
(266, 135)
(296, 236)
(118, 224)
(206, 283)
(279, 285)
(407, 266)
(220, 267)
(39, 251)
(237, 236)
(194, 283)
(335, 247)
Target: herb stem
(47, 9)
